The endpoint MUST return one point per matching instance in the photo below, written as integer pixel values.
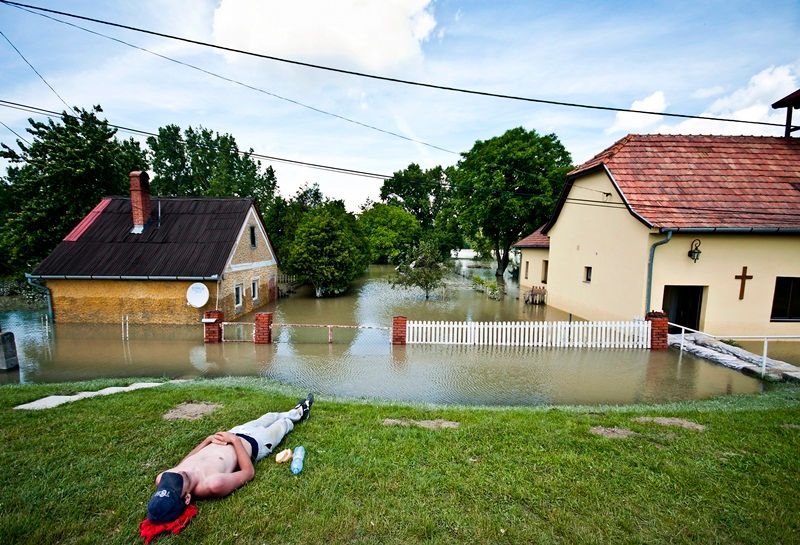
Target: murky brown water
(362, 363)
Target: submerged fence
(632, 334)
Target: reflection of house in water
(136, 257)
(706, 228)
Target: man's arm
(224, 483)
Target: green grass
(83, 473)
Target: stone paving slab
(735, 358)
(55, 400)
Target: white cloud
(631, 122)
(750, 103)
(708, 92)
(367, 35)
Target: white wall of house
(532, 267)
(606, 237)
(721, 260)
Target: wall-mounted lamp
(695, 252)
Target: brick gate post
(263, 333)
(399, 330)
(212, 322)
(659, 328)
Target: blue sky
(722, 59)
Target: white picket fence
(633, 334)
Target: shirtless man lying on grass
(221, 463)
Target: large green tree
(54, 181)
(328, 250)
(389, 231)
(283, 217)
(420, 192)
(203, 163)
(426, 195)
(506, 186)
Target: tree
(389, 230)
(202, 163)
(420, 192)
(328, 250)
(506, 187)
(423, 268)
(54, 181)
(282, 218)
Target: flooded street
(363, 363)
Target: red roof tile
(534, 240)
(693, 181)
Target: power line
(386, 78)
(318, 166)
(444, 183)
(15, 132)
(237, 82)
(35, 70)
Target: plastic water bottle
(297, 459)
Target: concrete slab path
(54, 401)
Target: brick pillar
(213, 330)
(659, 327)
(399, 330)
(263, 334)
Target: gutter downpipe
(650, 270)
(32, 283)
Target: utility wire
(444, 183)
(15, 132)
(237, 82)
(386, 78)
(35, 70)
(318, 166)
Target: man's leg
(269, 429)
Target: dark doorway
(682, 305)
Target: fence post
(399, 330)
(263, 328)
(659, 327)
(212, 326)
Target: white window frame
(254, 287)
(238, 295)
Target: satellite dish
(197, 295)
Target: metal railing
(764, 338)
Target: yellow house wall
(246, 264)
(107, 301)
(722, 258)
(601, 234)
(535, 258)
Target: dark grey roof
(194, 238)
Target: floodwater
(363, 363)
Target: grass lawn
(83, 473)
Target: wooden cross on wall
(744, 277)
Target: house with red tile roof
(705, 228)
(534, 259)
(160, 260)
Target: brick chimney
(140, 200)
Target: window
(545, 266)
(254, 289)
(786, 300)
(526, 269)
(252, 236)
(587, 274)
(237, 295)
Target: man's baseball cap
(167, 504)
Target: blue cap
(167, 504)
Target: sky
(728, 58)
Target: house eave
(212, 278)
(732, 230)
